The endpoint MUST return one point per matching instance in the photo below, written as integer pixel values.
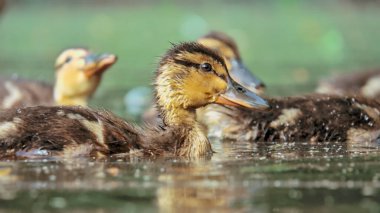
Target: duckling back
(365, 83)
(15, 93)
(317, 118)
(64, 132)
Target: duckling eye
(206, 67)
(68, 59)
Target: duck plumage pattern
(16, 92)
(364, 83)
(311, 118)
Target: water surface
(240, 176)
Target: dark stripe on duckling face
(193, 47)
(186, 63)
(197, 66)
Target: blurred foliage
(287, 43)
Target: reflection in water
(239, 177)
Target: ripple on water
(239, 176)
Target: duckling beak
(237, 95)
(242, 75)
(96, 64)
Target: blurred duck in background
(311, 118)
(189, 76)
(365, 83)
(78, 74)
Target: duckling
(365, 83)
(226, 47)
(310, 118)
(78, 74)
(189, 76)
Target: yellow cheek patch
(70, 78)
(71, 81)
(201, 88)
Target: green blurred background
(289, 44)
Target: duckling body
(313, 118)
(365, 83)
(16, 93)
(78, 74)
(77, 131)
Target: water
(239, 177)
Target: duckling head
(226, 47)
(190, 76)
(78, 73)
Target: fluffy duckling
(313, 118)
(226, 47)
(78, 73)
(189, 76)
(366, 83)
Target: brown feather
(314, 118)
(58, 128)
(351, 84)
(29, 93)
